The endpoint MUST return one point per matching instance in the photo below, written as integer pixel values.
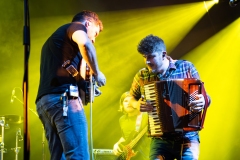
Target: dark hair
(88, 15)
(123, 96)
(151, 44)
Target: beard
(151, 69)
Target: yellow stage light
(217, 60)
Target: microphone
(13, 95)
(233, 3)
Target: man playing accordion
(180, 144)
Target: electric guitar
(128, 153)
(89, 82)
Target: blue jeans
(179, 148)
(67, 136)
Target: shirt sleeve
(194, 74)
(75, 27)
(135, 89)
(194, 71)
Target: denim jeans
(67, 136)
(175, 148)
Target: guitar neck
(138, 137)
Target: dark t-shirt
(58, 48)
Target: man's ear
(87, 23)
(164, 54)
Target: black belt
(174, 136)
(72, 97)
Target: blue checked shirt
(176, 70)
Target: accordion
(170, 101)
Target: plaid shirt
(177, 69)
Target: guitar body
(89, 84)
(84, 94)
(128, 152)
(133, 139)
(85, 74)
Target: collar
(171, 67)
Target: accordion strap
(205, 106)
(138, 122)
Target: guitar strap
(138, 122)
(72, 66)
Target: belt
(170, 136)
(72, 97)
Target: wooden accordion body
(170, 100)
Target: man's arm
(88, 53)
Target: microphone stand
(91, 101)
(2, 123)
(43, 133)
(18, 138)
(43, 144)
(26, 43)
(94, 92)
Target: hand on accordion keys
(145, 105)
(198, 104)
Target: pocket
(52, 101)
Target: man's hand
(145, 106)
(100, 79)
(197, 105)
(142, 105)
(116, 149)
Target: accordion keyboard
(153, 119)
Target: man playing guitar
(134, 143)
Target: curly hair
(88, 15)
(151, 44)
